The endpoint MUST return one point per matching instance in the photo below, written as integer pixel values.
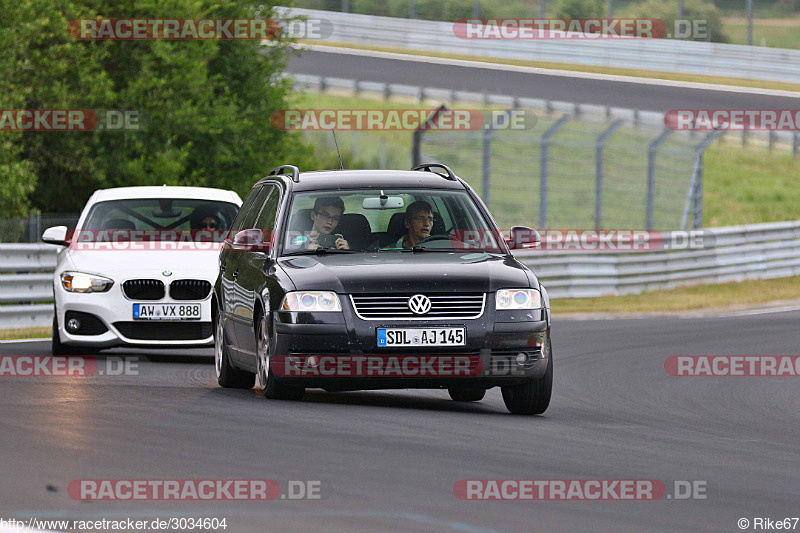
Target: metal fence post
(543, 170)
(416, 137)
(651, 176)
(695, 192)
(416, 141)
(598, 170)
(697, 218)
(486, 186)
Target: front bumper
(495, 339)
(115, 311)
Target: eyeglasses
(210, 225)
(326, 216)
(422, 219)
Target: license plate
(392, 337)
(166, 311)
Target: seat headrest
(118, 223)
(396, 227)
(354, 225)
(301, 221)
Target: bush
(667, 10)
(575, 9)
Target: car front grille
(144, 289)
(165, 331)
(189, 289)
(443, 306)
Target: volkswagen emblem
(167, 273)
(419, 304)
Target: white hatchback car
(139, 268)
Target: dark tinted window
(266, 220)
(246, 207)
(160, 214)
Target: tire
(227, 376)
(466, 395)
(59, 348)
(533, 397)
(266, 378)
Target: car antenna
(341, 167)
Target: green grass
(742, 185)
(774, 33)
(693, 298)
(25, 333)
(748, 186)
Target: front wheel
(228, 376)
(532, 397)
(59, 348)
(272, 389)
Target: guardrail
(737, 253)
(668, 55)
(26, 285)
(758, 251)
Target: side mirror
(251, 239)
(523, 237)
(55, 235)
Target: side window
(250, 219)
(247, 206)
(266, 220)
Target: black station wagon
(377, 279)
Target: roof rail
(428, 166)
(281, 170)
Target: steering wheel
(439, 237)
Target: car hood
(383, 272)
(119, 264)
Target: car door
(230, 265)
(253, 271)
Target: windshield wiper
(420, 248)
(322, 251)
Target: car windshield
(388, 221)
(156, 215)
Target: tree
(206, 104)
(575, 9)
(692, 10)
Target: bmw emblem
(167, 273)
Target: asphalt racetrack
(388, 461)
(654, 96)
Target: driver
(418, 222)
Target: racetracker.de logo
(69, 120)
(377, 119)
(559, 489)
(173, 29)
(732, 365)
(388, 366)
(148, 240)
(733, 119)
(60, 366)
(173, 489)
(617, 240)
(535, 28)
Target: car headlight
(80, 282)
(311, 301)
(518, 299)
